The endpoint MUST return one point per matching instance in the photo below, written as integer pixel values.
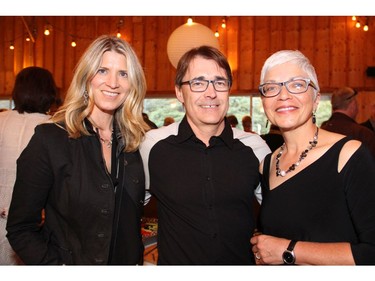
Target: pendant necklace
(108, 143)
(312, 143)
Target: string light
(358, 23)
(11, 46)
(73, 43)
(223, 23)
(47, 29)
(119, 25)
(217, 34)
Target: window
(159, 108)
(6, 103)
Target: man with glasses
(342, 121)
(203, 173)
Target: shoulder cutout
(346, 152)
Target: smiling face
(110, 85)
(287, 110)
(204, 110)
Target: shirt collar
(185, 133)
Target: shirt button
(99, 260)
(104, 212)
(105, 186)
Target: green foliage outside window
(159, 108)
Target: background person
(33, 94)
(84, 168)
(168, 120)
(273, 138)
(247, 124)
(342, 121)
(318, 200)
(232, 119)
(370, 122)
(202, 172)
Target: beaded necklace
(303, 155)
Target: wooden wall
(340, 52)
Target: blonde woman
(84, 168)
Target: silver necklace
(108, 143)
(303, 155)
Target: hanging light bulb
(358, 24)
(11, 46)
(354, 18)
(119, 25)
(189, 21)
(223, 23)
(217, 34)
(47, 29)
(27, 39)
(73, 44)
(365, 27)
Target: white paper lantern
(189, 36)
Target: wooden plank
(339, 53)
(151, 59)
(245, 56)
(229, 47)
(60, 47)
(276, 38)
(322, 51)
(261, 43)
(9, 56)
(292, 33)
(307, 39)
(49, 52)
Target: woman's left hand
(268, 249)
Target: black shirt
(205, 197)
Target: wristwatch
(288, 256)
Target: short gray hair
(292, 56)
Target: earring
(313, 118)
(85, 97)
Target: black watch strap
(291, 245)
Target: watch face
(288, 257)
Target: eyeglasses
(201, 85)
(294, 86)
(353, 95)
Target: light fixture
(189, 21)
(357, 24)
(365, 27)
(354, 18)
(11, 46)
(223, 23)
(47, 29)
(73, 43)
(186, 37)
(119, 25)
(217, 34)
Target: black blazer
(87, 220)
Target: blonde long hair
(77, 107)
